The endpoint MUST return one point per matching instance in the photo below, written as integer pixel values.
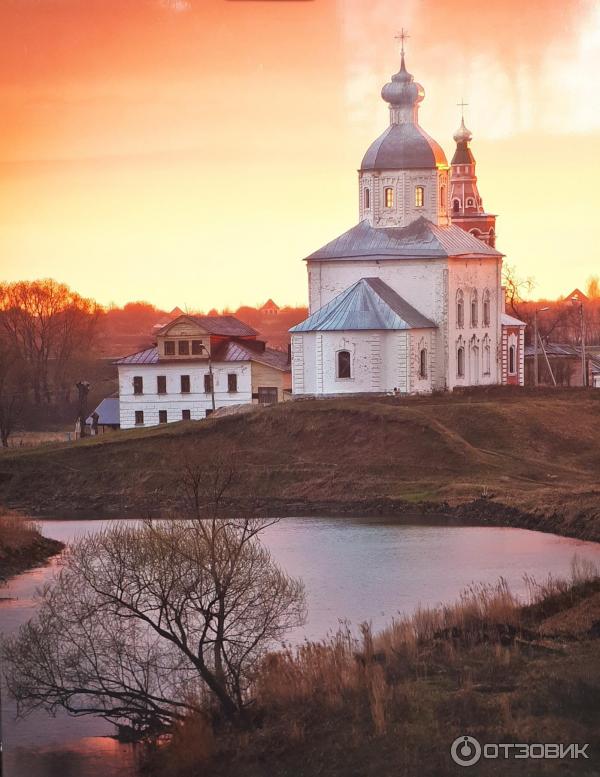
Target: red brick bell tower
(466, 206)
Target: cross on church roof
(462, 105)
(402, 36)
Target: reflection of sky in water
(357, 569)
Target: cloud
(176, 6)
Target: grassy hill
(537, 452)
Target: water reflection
(353, 569)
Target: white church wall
(404, 209)
(480, 365)
(422, 340)
(421, 283)
(197, 401)
(379, 362)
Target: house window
(456, 205)
(460, 362)
(169, 348)
(419, 196)
(460, 309)
(161, 384)
(486, 308)
(185, 384)
(197, 347)
(208, 411)
(343, 364)
(512, 360)
(232, 382)
(183, 347)
(423, 363)
(186, 415)
(162, 416)
(367, 199)
(138, 385)
(389, 197)
(139, 417)
(474, 308)
(443, 197)
(208, 383)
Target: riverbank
(22, 546)
(495, 456)
(393, 702)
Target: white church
(409, 300)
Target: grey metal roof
(236, 351)
(224, 326)
(419, 240)
(507, 320)
(565, 351)
(404, 147)
(149, 356)
(228, 351)
(368, 304)
(108, 410)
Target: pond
(354, 569)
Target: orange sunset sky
(191, 152)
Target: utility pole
(212, 380)
(576, 301)
(536, 337)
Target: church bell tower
(466, 205)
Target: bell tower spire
(466, 205)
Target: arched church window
(470, 203)
(512, 360)
(456, 205)
(442, 196)
(487, 360)
(419, 196)
(423, 363)
(367, 199)
(476, 233)
(460, 309)
(389, 197)
(486, 308)
(343, 364)
(460, 362)
(474, 308)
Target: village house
(410, 299)
(199, 364)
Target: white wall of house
(381, 361)
(174, 401)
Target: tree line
(46, 332)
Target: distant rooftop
(224, 326)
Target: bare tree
(47, 324)
(516, 288)
(13, 386)
(155, 622)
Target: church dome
(404, 145)
(462, 134)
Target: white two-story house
(199, 364)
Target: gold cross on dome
(402, 36)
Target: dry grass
(366, 704)
(16, 532)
